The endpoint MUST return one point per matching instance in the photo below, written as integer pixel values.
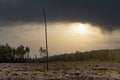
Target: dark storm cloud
(104, 13)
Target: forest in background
(21, 55)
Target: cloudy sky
(72, 24)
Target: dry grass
(60, 71)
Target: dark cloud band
(104, 13)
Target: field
(60, 71)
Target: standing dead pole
(46, 37)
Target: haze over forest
(73, 25)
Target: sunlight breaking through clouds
(62, 37)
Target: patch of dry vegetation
(60, 71)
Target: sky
(73, 25)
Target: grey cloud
(104, 13)
(10, 2)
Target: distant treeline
(9, 54)
(21, 55)
(94, 55)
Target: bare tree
(42, 52)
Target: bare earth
(60, 71)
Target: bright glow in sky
(84, 29)
(62, 37)
(81, 28)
